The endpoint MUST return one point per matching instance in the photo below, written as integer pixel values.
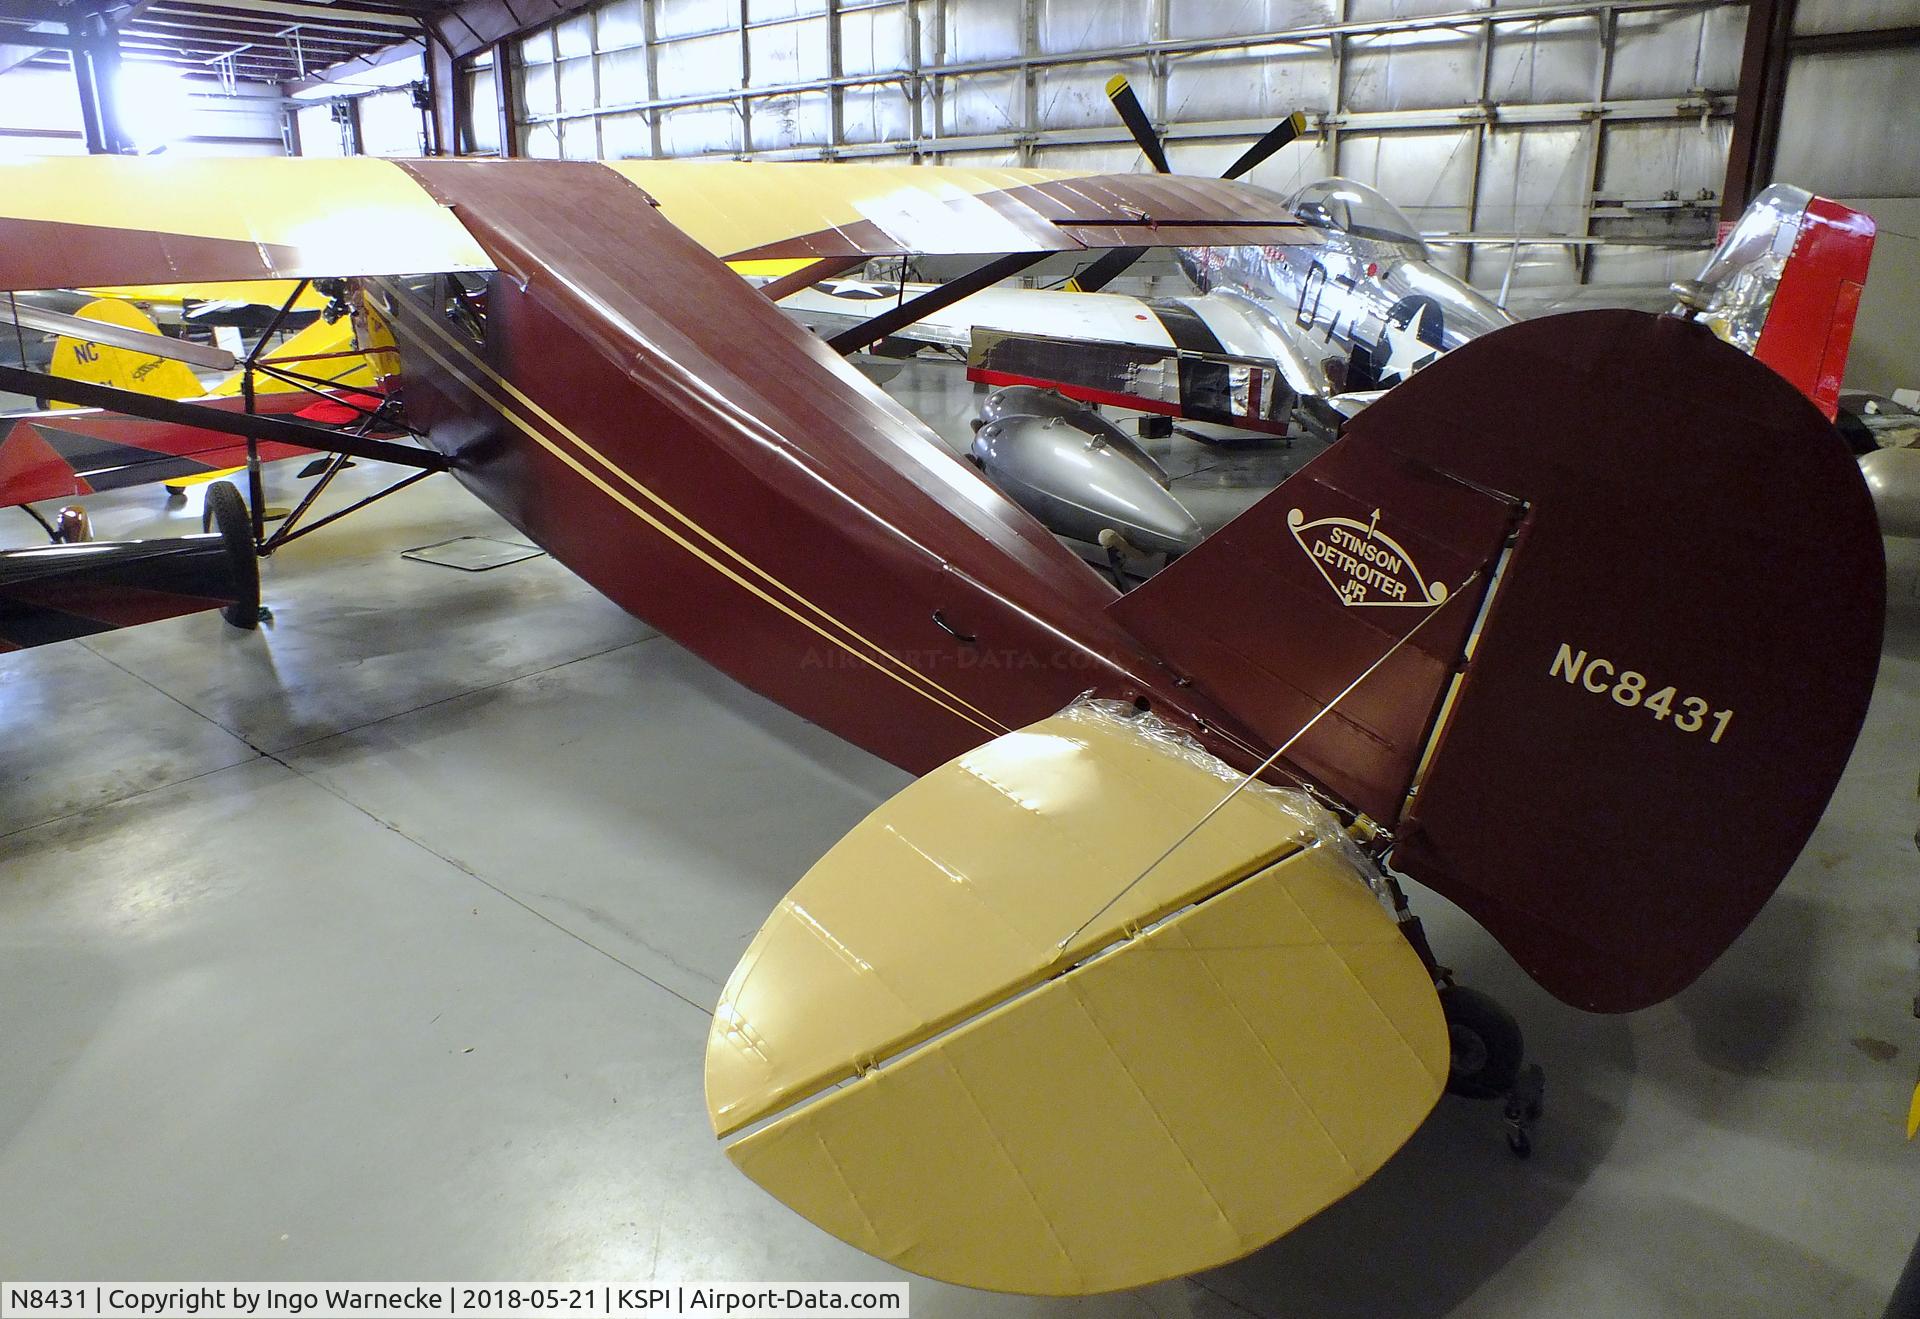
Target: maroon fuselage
(666, 433)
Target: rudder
(1670, 672)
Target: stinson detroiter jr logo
(1363, 565)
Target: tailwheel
(1489, 1062)
(227, 511)
(1486, 1044)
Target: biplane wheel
(227, 511)
(1486, 1046)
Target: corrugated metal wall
(1541, 143)
(1847, 129)
(1847, 124)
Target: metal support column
(1029, 79)
(450, 114)
(503, 97)
(1756, 114)
(1483, 113)
(836, 94)
(746, 80)
(650, 35)
(89, 103)
(916, 85)
(1597, 138)
(106, 83)
(96, 72)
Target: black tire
(227, 511)
(1486, 1045)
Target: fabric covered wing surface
(1180, 1097)
(69, 223)
(100, 220)
(987, 864)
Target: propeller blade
(1120, 92)
(1102, 272)
(1277, 136)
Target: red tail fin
(1785, 286)
(1666, 681)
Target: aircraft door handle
(952, 631)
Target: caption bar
(473, 1300)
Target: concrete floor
(381, 943)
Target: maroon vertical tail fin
(1665, 569)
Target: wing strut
(933, 300)
(37, 384)
(115, 336)
(809, 275)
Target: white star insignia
(1405, 353)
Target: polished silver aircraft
(1293, 335)
(1270, 335)
(1354, 313)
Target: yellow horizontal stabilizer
(958, 891)
(1027, 1120)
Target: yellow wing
(63, 222)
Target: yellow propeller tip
(1116, 84)
(1913, 1114)
(1299, 118)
